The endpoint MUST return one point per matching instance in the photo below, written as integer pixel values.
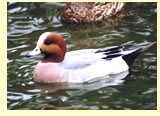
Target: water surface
(135, 89)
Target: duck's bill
(35, 52)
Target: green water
(136, 90)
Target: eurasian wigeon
(81, 65)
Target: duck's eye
(48, 42)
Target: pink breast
(47, 73)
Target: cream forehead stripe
(42, 38)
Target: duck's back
(84, 65)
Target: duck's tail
(130, 56)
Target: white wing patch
(81, 58)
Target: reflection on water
(136, 89)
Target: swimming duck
(86, 12)
(81, 65)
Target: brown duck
(86, 12)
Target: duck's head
(52, 46)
